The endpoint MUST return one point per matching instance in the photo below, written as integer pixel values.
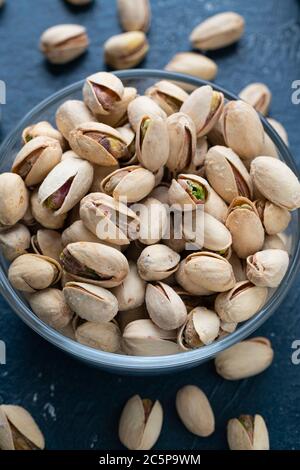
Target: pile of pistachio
(108, 273)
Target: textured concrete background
(78, 407)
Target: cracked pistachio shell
(108, 219)
(245, 359)
(118, 115)
(105, 336)
(240, 303)
(245, 227)
(42, 129)
(98, 143)
(248, 433)
(36, 159)
(48, 243)
(169, 96)
(71, 114)
(189, 191)
(210, 271)
(157, 262)
(125, 50)
(134, 16)
(204, 106)
(279, 128)
(258, 95)
(201, 328)
(31, 272)
(14, 241)
(182, 142)
(194, 64)
(77, 232)
(144, 338)
(195, 411)
(185, 282)
(44, 216)
(140, 423)
(275, 242)
(18, 430)
(152, 142)
(132, 183)
(217, 31)
(216, 207)
(268, 267)
(153, 217)
(13, 199)
(227, 174)
(92, 303)
(216, 236)
(243, 130)
(165, 307)
(101, 91)
(130, 293)
(196, 165)
(64, 43)
(50, 306)
(276, 182)
(94, 263)
(143, 106)
(275, 219)
(125, 317)
(66, 185)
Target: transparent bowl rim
(118, 362)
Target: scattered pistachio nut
(126, 50)
(64, 43)
(248, 433)
(135, 16)
(190, 63)
(195, 411)
(18, 430)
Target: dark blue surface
(78, 407)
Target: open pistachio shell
(195, 411)
(248, 433)
(165, 307)
(50, 306)
(14, 241)
(189, 191)
(48, 243)
(45, 216)
(130, 293)
(201, 328)
(18, 430)
(241, 302)
(157, 262)
(152, 142)
(168, 96)
(13, 199)
(101, 92)
(143, 106)
(118, 115)
(153, 221)
(268, 267)
(105, 336)
(71, 114)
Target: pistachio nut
(13, 199)
(227, 327)
(189, 191)
(125, 50)
(92, 303)
(238, 266)
(153, 221)
(182, 142)
(130, 293)
(168, 96)
(274, 242)
(144, 338)
(157, 262)
(48, 243)
(94, 263)
(185, 282)
(14, 241)
(128, 316)
(201, 328)
(134, 16)
(216, 236)
(105, 336)
(227, 174)
(77, 232)
(18, 430)
(108, 219)
(140, 423)
(152, 142)
(196, 165)
(66, 185)
(281, 131)
(129, 136)
(31, 272)
(64, 43)
(98, 143)
(50, 306)
(143, 106)
(269, 174)
(210, 271)
(268, 267)
(245, 227)
(217, 31)
(165, 307)
(240, 303)
(204, 106)
(243, 130)
(245, 359)
(195, 411)
(190, 63)
(216, 207)
(118, 115)
(71, 114)
(42, 129)
(275, 219)
(258, 95)
(132, 183)
(45, 216)
(101, 92)
(248, 433)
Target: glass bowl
(45, 111)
